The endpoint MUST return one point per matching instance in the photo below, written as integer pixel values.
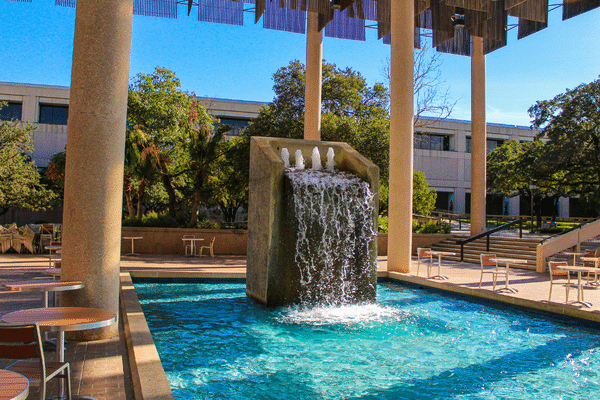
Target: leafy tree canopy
(20, 185)
(352, 111)
(162, 122)
(570, 124)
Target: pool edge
(148, 377)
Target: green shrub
(152, 219)
(431, 227)
(206, 224)
(382, 223)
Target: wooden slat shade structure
(451, 22)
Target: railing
(440, 215)
(565, 240)
(488, 234)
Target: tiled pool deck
(100, 368)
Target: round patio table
(13, 386)
(507, 262)
(579, 270)
(44, 285)
(133, 239)
(439, 255)
(61, 319)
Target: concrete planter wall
(168, 240)
(229, 241)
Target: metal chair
(489, 267)
(556, 273)
(422, 256)
(209, 247)
(24, 343)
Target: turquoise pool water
(214, 343)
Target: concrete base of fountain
(273, 275)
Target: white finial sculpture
(330, 164)
(285, 156)
(316, 160)
(299, 160)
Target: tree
(228, 183)
(429, 97)
(423, 197)
(352, 111)
(20, 185)
(158, 107)
(204, 149)
(570, 124)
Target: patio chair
(26, 240)
(422, 256)
(209, 247)
(24, 343)
(46, 234)
(188, 244)
(489, 267)
(556, 273)
(593, 264)
(5, 242)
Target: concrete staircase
(509, 247)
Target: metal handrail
(488, 234)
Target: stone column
(401, 137)
(95, 153)
(314, 71)
(478, 137)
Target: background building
(442, 148)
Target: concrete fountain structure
(311, 231)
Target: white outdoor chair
(558, 273)
(209, 247)
(422, 256)
(489, 267)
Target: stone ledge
(148, 377)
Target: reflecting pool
(214, 343)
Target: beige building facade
(442, 149)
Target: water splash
(316, 160)
(347, 314)
(334, 229)
(299, 160)
(285, 156)
(330, 164)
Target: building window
(491, 144)
(53, 114)
(425, 141)
(238, 125)
(11, 111)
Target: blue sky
(238, 62)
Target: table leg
(580, 298)
(506, 280)
(439, 265)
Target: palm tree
(204, 148)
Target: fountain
(311, 232)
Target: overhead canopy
(450, 23)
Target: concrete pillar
(314, 72)
(401, 137)
(478, 137)
(95, 153)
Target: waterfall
(333, 220)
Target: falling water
(334, 231)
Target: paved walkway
(100, 368)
